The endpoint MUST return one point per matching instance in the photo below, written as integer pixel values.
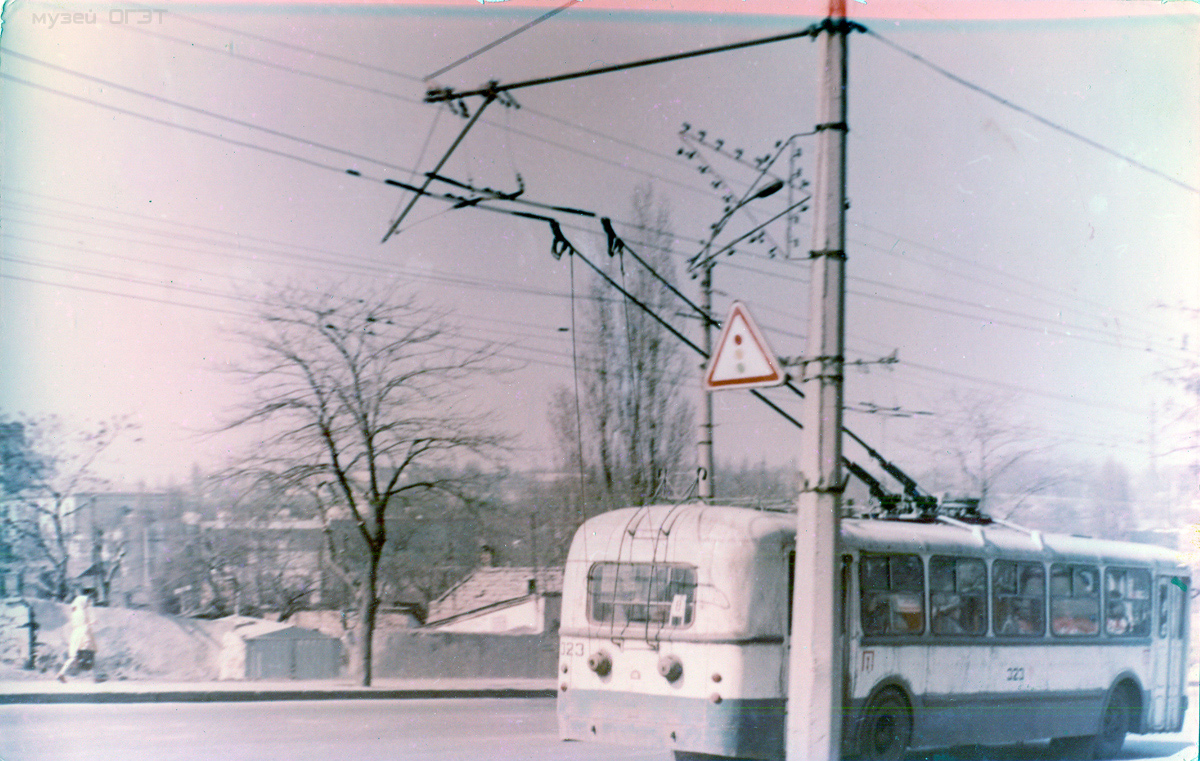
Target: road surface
(365, 730)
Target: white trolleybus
(955, 631)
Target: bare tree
(47, 472)
(359, 398)
(629, 422)
(982, 449)
(1112, 510)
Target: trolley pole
(814, 717)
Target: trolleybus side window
(957, 595)
(1074, 600)
(1127, 602)
(658, 593)
(893, 594)
(1018, 599)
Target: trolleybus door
(1168, 653)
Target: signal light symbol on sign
(742, 359)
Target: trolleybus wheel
(886, 728)
(1114, 724)
(1107, 742)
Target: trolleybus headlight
(670, 667)
(600, 662)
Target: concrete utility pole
(815, 660)
(704, 445)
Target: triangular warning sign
(742, 358)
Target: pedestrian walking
(81, 647)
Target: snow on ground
(130, 644)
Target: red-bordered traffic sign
(742, 359)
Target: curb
(244, 696)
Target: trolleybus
(675, 634)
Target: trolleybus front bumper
(736, 728)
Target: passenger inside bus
(1019, 598)
(1019, 616)
(958, 595)
(1118, 619)
(1074, 600)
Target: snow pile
(132, 644)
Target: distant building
(122, 542)
(166, 552)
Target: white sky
(158, 175)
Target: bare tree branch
(359, 398)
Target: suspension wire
(500, 41)
(412, 175)
(437, 95)
(1022, 110)
(488, 98)
(616, 244)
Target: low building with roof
(504, 600)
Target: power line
(1007, 275)
(1036, 117)
(171, 125)
(270, 65)
(137, 297)
(191, 291)
(299, 48)
(938, 371)
(342, 262)
(439, 95)
(310, 51)
(501, 40)
(202, 111)
(346, 83)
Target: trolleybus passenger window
(957, 595)
(1074, 600)
(1127, 602)
(657, 593)
(1018, 599)
(893, 594)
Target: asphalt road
(366, 730)
(508, 729)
